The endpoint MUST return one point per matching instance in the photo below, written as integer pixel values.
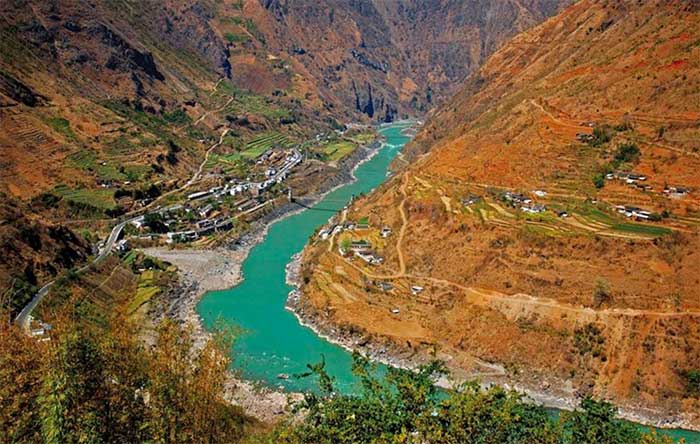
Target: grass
(98, 198)
(86, 160)
(83, 159)
(144, 293)
(178, 117)
(230, 163)
(120, 146)
(247, 102)
(649, 230)
(131, 257)
(338, 150)
(61, 126)
(236, 38)
(363, 138)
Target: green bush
(627, 152)
(601, 135)
(692, 378)
(599, 180)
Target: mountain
(105, 106)
(550, 214)
(393, 59)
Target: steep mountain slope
(388, 59)
(121, 91)
(588, 281)
(105, 106)
(124, 90)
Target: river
(273, 342)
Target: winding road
(487, 296)
(22, 319)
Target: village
(216, 209)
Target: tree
(627, 152)
(21, 370)
(692, 378)
(601, 292)
(595, 422)
(405, 407)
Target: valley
(350, 221)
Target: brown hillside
(589, 301)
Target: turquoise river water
(273, 341)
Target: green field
(338, 150)
(596, 215)
(87, 160)
(62, 126)
(649, 230)
(145, 291)
(256, 147)
(363, 138)
(229, 163)
(98, 198)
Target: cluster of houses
(676, 192)
(634, 212)
(630, 178)
(39, 329)
(279, 166)
(336, 229)
(636, 179)
(194, 219)
(523, 202)
(362, 249)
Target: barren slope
(577, 298)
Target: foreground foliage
(406, 407)
(95, 382)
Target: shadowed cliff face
(390, 58)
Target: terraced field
(256, 147)
(98, 198)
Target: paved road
(22, 318)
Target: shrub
(601, 292)
(589, 340)
(627, 152)
(692, 378)
(599, 180)
(601, 135)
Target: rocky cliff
(391, 59)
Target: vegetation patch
(98, 198)
(256, 147)
(589, 340)
(692, 378)
(338, 150)
(62, 126)
(236, 38)
(648, 230)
